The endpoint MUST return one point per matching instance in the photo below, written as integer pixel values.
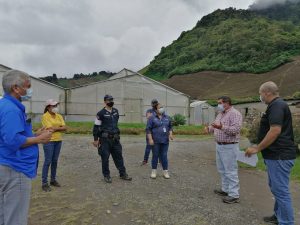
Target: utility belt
(115, 136)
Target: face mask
(55, 110)
(28, 95)
(220, 108)
(262, 99)
(110, 104)
(161, 110)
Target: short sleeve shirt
(283, 148)
(57, 121)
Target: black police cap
(108, 97)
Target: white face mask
(220, 108)
(161, 110)
(55, 110)
(28, 95)
(262, 99)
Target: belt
(226, 143)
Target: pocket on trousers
(99, 150)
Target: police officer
(107, 139)
(148, 148)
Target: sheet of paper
(252, 161)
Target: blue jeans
(147, 150)
(228, 168)
(160, 151)
(51, 154)
(279, 177)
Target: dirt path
(185, 199)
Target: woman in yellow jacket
(54, 121)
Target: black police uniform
(108, 133)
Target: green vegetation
(229, 40)
(178, 119)
(295, 174)
(126, 128)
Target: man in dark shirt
(276, 142)
(107, 139)
(148, 148)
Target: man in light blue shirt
(18, 149)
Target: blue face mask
(28, 95)
(220, 108)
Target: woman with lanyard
(159, 131)
(54, 121)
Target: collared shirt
(231, 121)
(284, 147)
(159, 128)
(14, 131)
(106, 121)
(49, 121)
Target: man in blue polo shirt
(18, 149)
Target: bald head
(269, 87)
(268, 91)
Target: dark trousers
(160, 151)
(147, 150)
(114, 148)
(51, 153)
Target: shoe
(220, 192)
(55, 184)
(166, 174)
(107, 179)
(230, 200)
(126, 177)
(46, 187)
(271, 219)
(153, 174)
(144, 163)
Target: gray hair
(269, 87)
(12, 78)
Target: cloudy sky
(73, 36)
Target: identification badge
(165, 130)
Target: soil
(185, 199)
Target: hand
(206, 129)
(151, 142)
(40, 131)
(171, 137)
(52, 129)
(44, 137)
(251, 150)
(217, 126)
(96, 144)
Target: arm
(235, 125)
(170, 130)
(149, 131)
(97, 131)
(40, 139)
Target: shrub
(178, 119)
(296, 95)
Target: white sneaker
(153, 174)
(166, 174)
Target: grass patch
(126, 128)
(295, 174)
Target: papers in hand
(252, 161)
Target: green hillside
(230, 40)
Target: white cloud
(73, 36)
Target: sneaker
(230, 200)
(271, 219)
(153, 174)
(107, 179)
(144, 163)
(220, 192)
(126, 177)
(55, 184)
(166, 174)
(46, 187)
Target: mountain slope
(231, 41)
(240, 86)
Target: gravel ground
(186, 199)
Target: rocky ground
(186, 199)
